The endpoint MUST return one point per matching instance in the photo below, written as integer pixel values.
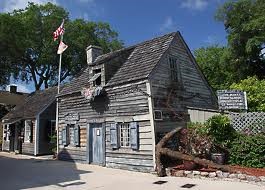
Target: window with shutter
(64, 136)
(134, 135)
(124, 135)
(114, 136)
(76, 135)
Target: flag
(62, 47)
(58, 32)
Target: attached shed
(115, 111)
(28, 127)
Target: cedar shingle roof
(142, 60)
(139, 63)
(81, 80)
(33, 105)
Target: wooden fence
(201, 115)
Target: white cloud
(168, 25)
(195, 4)
(10, 5)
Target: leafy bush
(53, 142)
(255, 89)
(220, 130)
(248, 151)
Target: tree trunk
(161, 150)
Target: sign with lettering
(232, 100)
(71, 118)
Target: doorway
(96, 144)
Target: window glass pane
(124, 135)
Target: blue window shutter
(114, 135)
(77, 135)
(134, 135)
(64, 141)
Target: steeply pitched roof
(141, 60)
(33, 105)
(81, 80)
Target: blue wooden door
(96, 143)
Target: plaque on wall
(71, 118)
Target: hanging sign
(232, 100)
(71, 118)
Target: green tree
(244, 21)
(27, 46)
(216, 65)
(255, 90)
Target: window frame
(124, 135)
(6, 133)
(98, 80)
(174, 69)
(70, 135)
(28, 131)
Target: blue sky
(139, 20)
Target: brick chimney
(13, 89)
(92, 53)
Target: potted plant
(217, 155)
(222, 134)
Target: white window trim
(27, 131)
(124, 128)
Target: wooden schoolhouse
(116, 110)
(28, 128)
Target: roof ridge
(156, 38)
(135, 45)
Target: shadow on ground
(30, 173)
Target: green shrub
(220, 130)
(255, 90)
(248, 151)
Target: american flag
(58, 32)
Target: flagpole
(57, 101)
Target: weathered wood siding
(28, 147)
(121, 104)
(6, 145)
(126, 158)
(172, 98)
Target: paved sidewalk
(24, 172)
